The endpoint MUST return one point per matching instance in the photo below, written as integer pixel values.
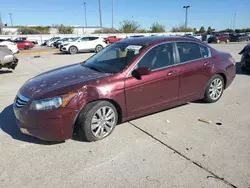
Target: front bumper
(50, 125)
(63, 49)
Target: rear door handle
(172, 72)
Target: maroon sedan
(128, 79)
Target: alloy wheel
(103, 122)
(215, 89)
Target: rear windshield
(114, 58)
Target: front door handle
(172, 72)
(208, 63)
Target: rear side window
(188, 51)
(204, 52)
(93, 38)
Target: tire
(208, 95)
(218, 41)
(85, 127)
(73, 50)
(227, 41)
(98, 48)
(26, 47)
(108, 41)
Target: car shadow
(5, 71)
(240, 71)
(61, 53)
(9, 126)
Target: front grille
(21, 100)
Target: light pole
(85, 14)
(186, 17)
(11, 19)
(234, 22)
(100, 13)
(112, 14)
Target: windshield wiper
(93, 68)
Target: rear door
(93, 42)
(195, 65)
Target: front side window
(115, 58)
(188, 51)
(158, 57)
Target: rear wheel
(73, 50)
(97, 121)
(217, 41)
(26, 47)
(214, 89)
(98, 48)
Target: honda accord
(128, 79)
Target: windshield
(114, 58)
(75, 39)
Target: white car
(11, 45)
(84, 44)
(67, 42)
(50, 42)
(197, 36)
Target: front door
(156, 91)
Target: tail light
(232, 60)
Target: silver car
(7, 59)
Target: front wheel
(214, 89)
(73, 50)
(97, 121)
(227, 41)
(98, 48)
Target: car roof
(146, 41)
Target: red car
(24, 44)
(128, 79)
(112, 39)
(217, 38)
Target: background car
(239, 37)
(245, 58)
(112, 39)
(7, 59)
(24, 45)
(126, 80)
(25, 39)
(60, 41)
(217, 38)
(197, 36)
(10, 45)
(84, 44)
(50, 42)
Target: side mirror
(140, 71)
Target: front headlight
(52, 103)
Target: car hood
(59, 81)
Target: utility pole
(85, 14)
(100, 13)
(112, 14)
(11, 19)
(234, 22)
(186, 17)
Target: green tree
(28, 31)
(182, 28)
(202, 30)
(209, 30)
(129, 26)
(65, 29)
(157, 28)
(106, 31)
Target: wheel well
(117, 106)
(73, 46)
(224, 78)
